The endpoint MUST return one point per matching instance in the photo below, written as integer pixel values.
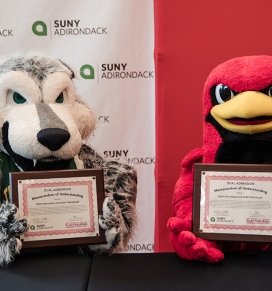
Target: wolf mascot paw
(10, 228)
(237, 129)
(43, 126)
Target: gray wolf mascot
(43, 126)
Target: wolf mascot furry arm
(43, 125)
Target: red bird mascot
(237, 111)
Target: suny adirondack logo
(67, 27)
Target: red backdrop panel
(192, 37)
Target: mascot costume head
(43, 125)
(237, 108)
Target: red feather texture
(249, 73)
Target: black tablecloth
(61, 270)
(46, 270)
(167, 272)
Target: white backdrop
(109, 44)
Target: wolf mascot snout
(43, 125)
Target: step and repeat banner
(109, 44)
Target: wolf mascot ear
(43, 125)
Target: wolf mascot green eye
(60, 98)
(18, 99)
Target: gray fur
(10, 227)
(48, 118)
(120, 183)
(38, 68)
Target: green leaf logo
(87, 72)
(39, 28)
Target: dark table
(59, 270)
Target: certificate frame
(80, 231)
(219, 231)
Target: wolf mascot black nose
(53, 138)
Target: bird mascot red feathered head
(237, 129)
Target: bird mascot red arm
(237, 129)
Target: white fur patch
(24, 133)
(19, 82)
(56, 83)
(18, 246)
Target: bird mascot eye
(221, 93)
(18, 99)
(268, 91)
(60, 98)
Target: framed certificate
(61, 207)
(233, 202)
